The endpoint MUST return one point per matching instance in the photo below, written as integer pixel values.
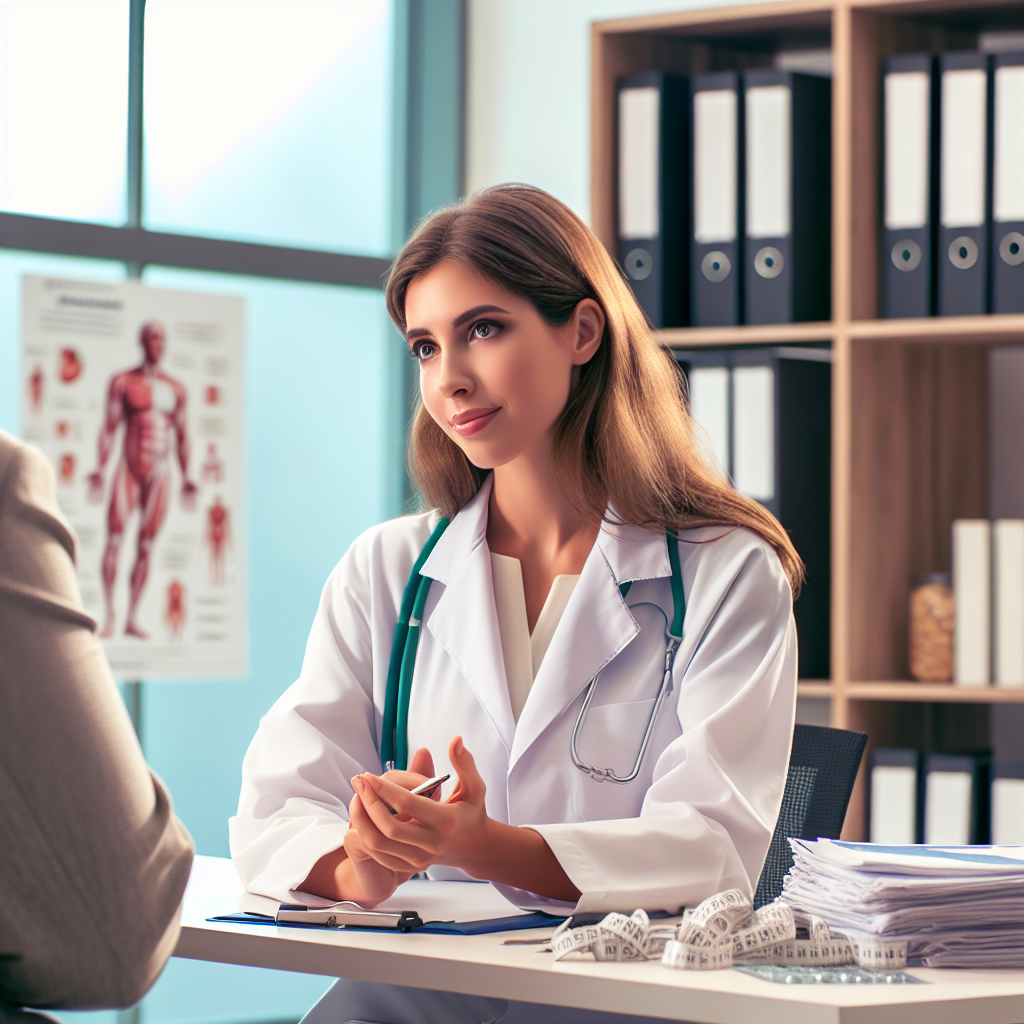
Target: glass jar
(931, 629)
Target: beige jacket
(93, 862)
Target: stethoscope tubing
(402, 664)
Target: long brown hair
(625, 436)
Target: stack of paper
(955, 906)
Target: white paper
(768, 161)
(907, 148)
(709, 404)
(971, 625)
(947, 808)
(893, 805)
(963, 148)
(1008, 155)
(638, 162)
(714, 165)
(84, 366)
(753, 415)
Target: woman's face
(494, 374)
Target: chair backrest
(822, 768)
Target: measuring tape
(725, 929)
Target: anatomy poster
(135, 394)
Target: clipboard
(405, 921)
(443, 907)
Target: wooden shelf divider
(940, 693)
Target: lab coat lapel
(595, 626)
(465, 621)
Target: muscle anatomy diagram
(151, 405)
(136, 395)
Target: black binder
(715, 267)
(655, 264)
(963, 249)
(909, 207)
(787, 266)
(1007, 255)
(797, 482)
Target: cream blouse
(522, 650)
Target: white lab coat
(699, 817)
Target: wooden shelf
(743, 18)
(984, 330)
(746, 334)
(945, 330)
(945, 693)
(815, 688)
(909, 397)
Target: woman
(553, 434)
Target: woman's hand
(424, 832)
(351, 872)
(457, 833)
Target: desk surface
(481, 965)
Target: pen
(427, 788)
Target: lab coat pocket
(610, 737)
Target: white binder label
(638, 162)
(754, 438)
(1008, 812)
(963, 148)
(1008, 157)
(971, 580)
(709, 404)
(947, 809)
(1008, 593)
(768, 155)
(907, 131)
(893, 805)
(714, 166)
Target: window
(270, 122)
(64, 108)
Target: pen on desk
(427, 788)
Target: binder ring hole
(963, 252)
(715, 266)
(906, 255)
(639, 264)
(1011, 248)
(769, 262)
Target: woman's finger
(378, 794)
(471, 788)
(397, 829)
(422, 763)
(386, 850)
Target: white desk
(481, 965)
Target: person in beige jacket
(93, 861)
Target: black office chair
(822, 768)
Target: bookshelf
(909, 397)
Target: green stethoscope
(395, 738)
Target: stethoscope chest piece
(626, 680)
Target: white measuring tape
(725, 929)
